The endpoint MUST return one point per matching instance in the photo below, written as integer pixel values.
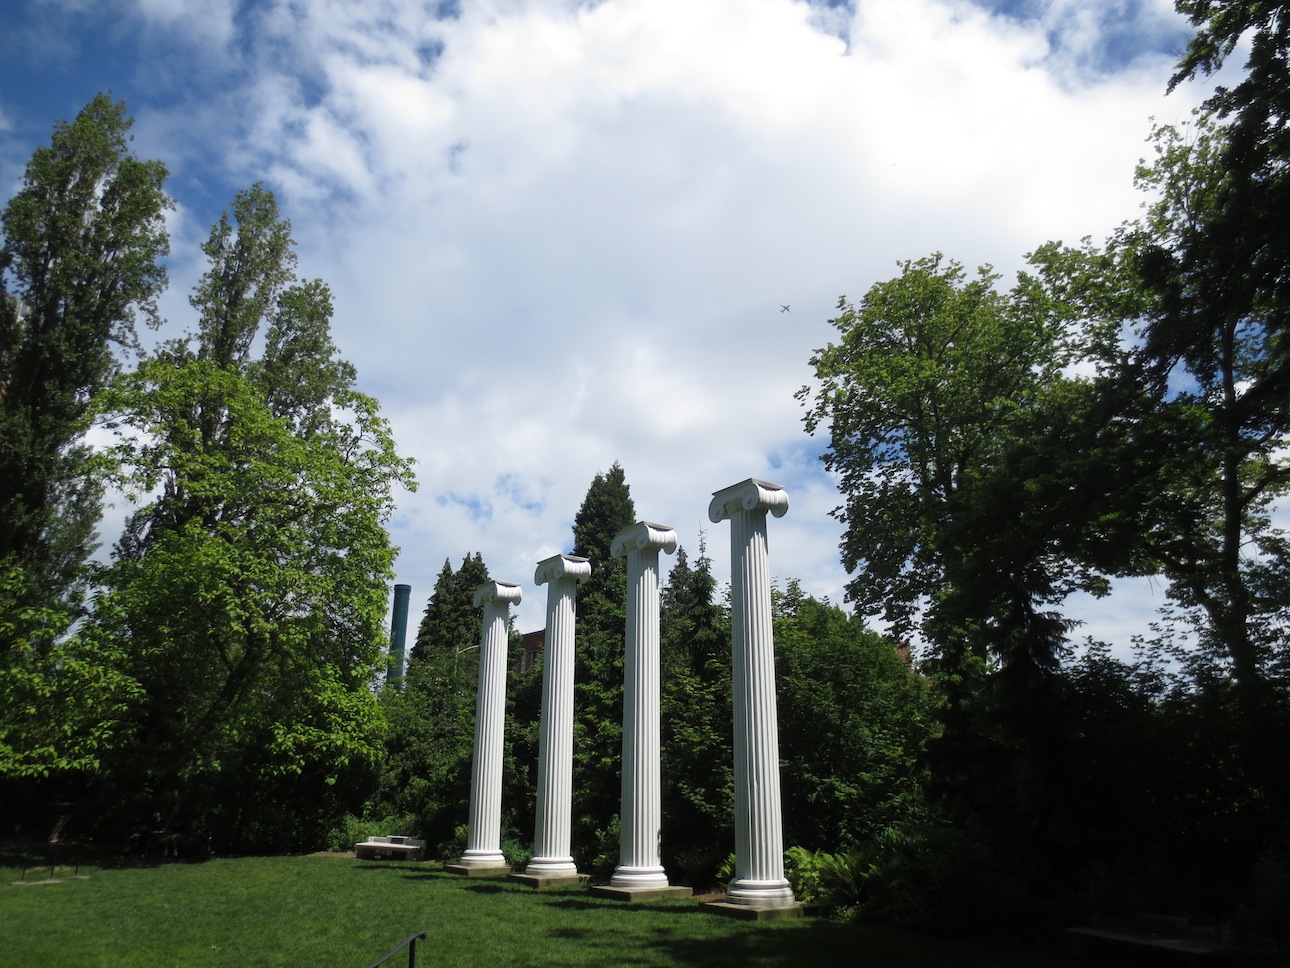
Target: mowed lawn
(336, 912)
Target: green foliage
(803, 873)
(833, 880)
(449, 629)
(517, 853)
(80, 257)
(981, 487)
(64, 702)
(930, 385)
(1214, 536)
(1240, 253)
(853, 724)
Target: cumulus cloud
(559, 234)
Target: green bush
(599, 858)
(803, 873)
(517, 854)
(700, 867)
(450, 850)
(835, 880)
(726, 872)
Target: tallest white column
(639, 864)
(759, 836)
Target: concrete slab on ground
(747, 912)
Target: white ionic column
(759, 837)
(551, 849)
(483, 842)
(639, 863)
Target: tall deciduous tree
(1236, 251)
(930, 386)
(252, 588)
(982, 485)
(1214, 349)
(80, 259)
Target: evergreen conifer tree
(696, 723)
(432, 721)
(600, 640)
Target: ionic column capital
(561, 566)
(498, 593)
(749, 495)
(642, 536)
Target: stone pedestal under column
(759, 838)
(483, 842)
(640, 873)
(552, 862)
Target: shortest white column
(483, 842)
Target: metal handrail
(410, 944)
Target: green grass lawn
(330, 911)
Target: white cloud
(559, 234)
(594, 274)
(209, 25)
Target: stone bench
(1154, 933)
(401, 848)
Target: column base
(762, 894)
(551, 867)
(639, 878)
(479, 863)
(747, 912)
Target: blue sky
(559, 233)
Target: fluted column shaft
(483, 841)
(759, 837)
(551, 839)
(640, 822)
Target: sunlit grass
(328, 911)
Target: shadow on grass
(395, 865)
(571, 934)
(590, 904)
(490, 888)
(822, 944)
